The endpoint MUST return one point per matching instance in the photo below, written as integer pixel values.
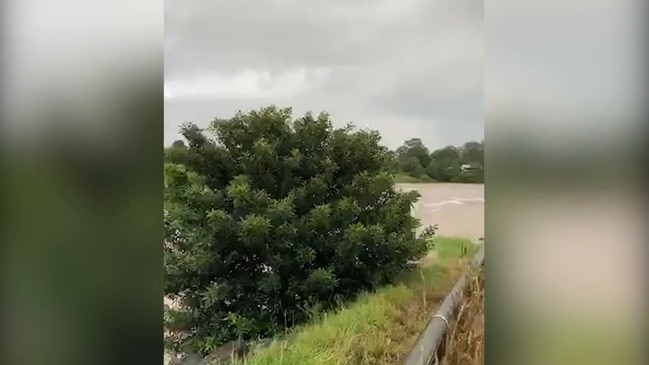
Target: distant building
(470, 167)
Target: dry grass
(466, 338)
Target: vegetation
(415, 163)
(466, 337)
(407, 179)
(379, 327)
(268, 219)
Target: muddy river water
(457, 209)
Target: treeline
(464, 164)
(269, 218)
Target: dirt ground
(457, 209)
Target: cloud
(246, 83)
(406, 68)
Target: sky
(407, 68)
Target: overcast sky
(408, 68)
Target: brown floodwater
(457, 209)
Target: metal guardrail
(432, 339)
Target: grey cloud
(406, 68)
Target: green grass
(379, 327)
(454, 247)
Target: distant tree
(177, 153)
(413, 167)
(447, 154)
(473, 153)
(445, 164)
(413, 148)
(195, 136)
(443, 170)
(178, 144)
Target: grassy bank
(379, 327)
(407, 179)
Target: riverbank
(380, 327)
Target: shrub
(471, 177)
(273, 217)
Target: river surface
(457, 209)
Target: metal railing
(432, 339)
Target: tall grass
(466, 337)
(378, 328)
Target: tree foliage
(178, 144)
(448, 164)
(413, 149)
(273, 216)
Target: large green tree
(176, 153)
(445, 164)
(266, 217)
(412, 166)
(473, 153)
(411, 149)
